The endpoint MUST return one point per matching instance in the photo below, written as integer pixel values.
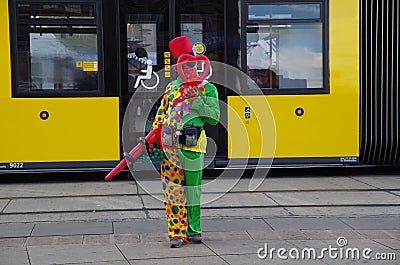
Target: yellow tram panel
(329, 124)
(5, 60)
(326, 129)
(251, 136)
(77, 129)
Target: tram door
(146, 27)
(203, 21)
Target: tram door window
(141, 58)
(203, 21)
(56, 49)
(142, 51)
(285, 44)
(144, 36)
(144, 33)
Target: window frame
(14, 49)
(324, 19)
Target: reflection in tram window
(283, 52)
(284, 11)
(143, 36)
(194, 31)
(56, 48)
(61, 61)
(203, 22)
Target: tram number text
(16, 165)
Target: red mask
(189, 74)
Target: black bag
(168, 135)
(190, 135)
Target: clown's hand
(191, 93)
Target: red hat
(179, 46)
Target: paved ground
(120, 223)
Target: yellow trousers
(173, 182)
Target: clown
(186, 106)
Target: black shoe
(196, 239)
(176, 242)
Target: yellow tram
(69, 68)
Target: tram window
(56, 49)
(192, 30)
(203, 22)
(284, 11)
(285, 46)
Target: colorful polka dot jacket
(178, 112)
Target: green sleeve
(207, 105)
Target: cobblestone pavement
(295, 220)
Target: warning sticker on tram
(90, 66)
